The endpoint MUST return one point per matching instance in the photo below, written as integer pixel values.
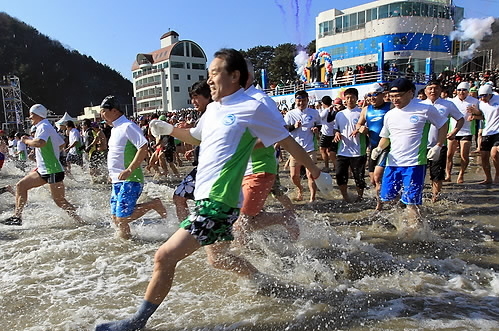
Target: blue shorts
(124, 198)
(408, 179)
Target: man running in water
(49, 170)
(227, 132)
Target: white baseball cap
(375, 87)
(39, 110)
(463, 85)
(485, 89)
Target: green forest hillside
(61, 79)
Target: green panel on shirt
(50, 160)
(130, 151)
(423, 147)
(227, 187)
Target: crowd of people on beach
(232, 146)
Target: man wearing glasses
(405, 130)
(446, 109)
(488, 107)
(463, 138)
(371, 122)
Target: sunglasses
(462, 89)
(482, 95)
(375, 94)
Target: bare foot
(460, 180)
(298, 196)
(291, 224)
(447, 179)
(485, 182)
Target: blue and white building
(410, 32)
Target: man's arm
(293, 148)
(459, 124)
(34, 142)
(140, 155)
(185, 136)
(442, 134)
(384, 143)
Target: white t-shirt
(327, 128)
(22, 150)
(446, 109)
(407, 129)
(47, 157)
(228, 131)
(303, 135)
(126, 138)
(469, 127)
(490, 112)
(263, 159)
(74, 136)
(345, 123)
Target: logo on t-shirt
(377, 118)
(414, 119)
(229, 119)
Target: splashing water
(343, 272)
(473, 29)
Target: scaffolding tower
(12, 103)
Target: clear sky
(114, 31)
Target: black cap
(110, 102)
(402, 85)
(301, 94)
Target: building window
(176, 64)
(176, 76)
(383, 12)
(176, 89)
(196, 51)
(178, 50)
(188, 77)
(188, 65)
(394, 9)
(199, 66)
(338, 24)
(353, 21)
(362, 17)
(201, 77)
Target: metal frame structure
(12, 103)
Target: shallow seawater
(348, 271)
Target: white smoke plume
(474, 29)
(301, 60)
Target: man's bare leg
(58, 192)
(465, 160)
(181, 207)
(296, 178)
(30, 181)
(175, 249)
(452, 148)
(494, 154)
(123, 223)
(485, 155)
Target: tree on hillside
(282, 66)
(260, 57)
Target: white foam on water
(57, 276)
